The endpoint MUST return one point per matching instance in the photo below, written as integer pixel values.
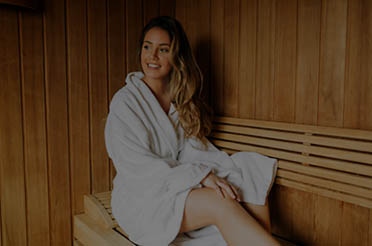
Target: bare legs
(205, 207)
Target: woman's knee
(205, 207)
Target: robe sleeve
(128, 143)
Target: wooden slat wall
(301, 61)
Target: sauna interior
(295, 61)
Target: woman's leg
(205, 207)
(261, 213)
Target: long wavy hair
(186, 80)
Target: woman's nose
(154, 54)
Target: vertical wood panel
(302, 216)
(78, 93)
(265, 60)
(97, 40)
(116, 53)
(307, 76)
(353, 80)
(34, 126)
(134, 24)
(57, 122)
(198, 32)
(217, 55)
(332, 62)
(231, 58)
(247, 58)
(150, 10)
(328, 221)
(167, 7)
(354, 225)
(13, 204)
(366, 105)
(285, 60)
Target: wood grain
(98, 76)
(13, 190)
(34, 127)
(247, 58)
(265, 60)
(78, 102)
(285, 60)
(307, 72)
(332, 62)
(57, 122)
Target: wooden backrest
(333, 162)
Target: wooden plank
(332, 62)
(307, 76)
(95, 210)
(353, 73)
(57, 122)
(98, 75)
(13, 193)
(355, 223)
(198, 32)
(117, 62)
(285, 60)
(319, 130)
(231, 57)
(325, 192)
(295, 147)
(360, 146)
(326, 174)
(247, 58)
(134, 24)
(78, 93)
(370, 227)
(265, 60)
(34, 125)
(167, 7)
(280, 210)
(150, 10)
(302, 216)
(328, 221)
(326, 184)
(217, 55)
(316, 161)
(90, 233)
(366, 63)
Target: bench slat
(296, 147)
(281, 154)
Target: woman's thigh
(204, 207)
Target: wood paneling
(303, 61)
(34, 125)
(57, 122)
(13, 190)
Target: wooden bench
(331, 162)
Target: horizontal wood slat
(328, 161)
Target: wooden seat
(97, 226)
(331, 162)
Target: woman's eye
(164, 50)
(146, 47)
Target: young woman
(172, 185)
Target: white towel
(157, 167)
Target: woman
(172, 185)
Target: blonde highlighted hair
(186, 80)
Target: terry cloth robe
(157, 167)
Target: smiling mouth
(151, 65)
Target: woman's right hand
(221, 186)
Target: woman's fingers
(231, 191)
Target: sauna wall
(302, 61)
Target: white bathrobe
(157, 167)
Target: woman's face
(155, 55)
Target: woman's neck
(161, 91)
